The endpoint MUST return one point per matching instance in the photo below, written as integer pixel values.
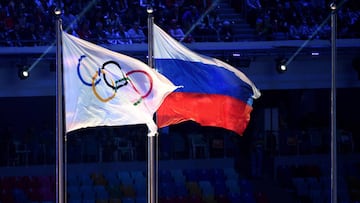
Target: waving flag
(213, 94)
(105, 88)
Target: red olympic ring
(147, 75)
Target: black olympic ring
(124, 78)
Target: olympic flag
(213, 94)
(105, 88)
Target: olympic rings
(117, 84)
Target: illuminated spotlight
(23, 72)
(281, 65)
(315, 54)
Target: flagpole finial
(57, 11)
(149, 9)
(333, 6)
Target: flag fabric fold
(214, 93)
(105, 88)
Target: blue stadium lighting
(23, 73)
(315, 54)
(281, 65)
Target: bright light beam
(89, 5)
(200, 19)
(311, 37)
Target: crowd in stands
(302, 19)
(32, 23)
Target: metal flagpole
(60, 195)
(333, 105)
(151, 173)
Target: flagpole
(333, 8)
(152, 158)
(60, 195)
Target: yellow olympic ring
(95, 92)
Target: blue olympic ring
(79, 74)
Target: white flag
(105, 88)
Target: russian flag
(213, 92)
